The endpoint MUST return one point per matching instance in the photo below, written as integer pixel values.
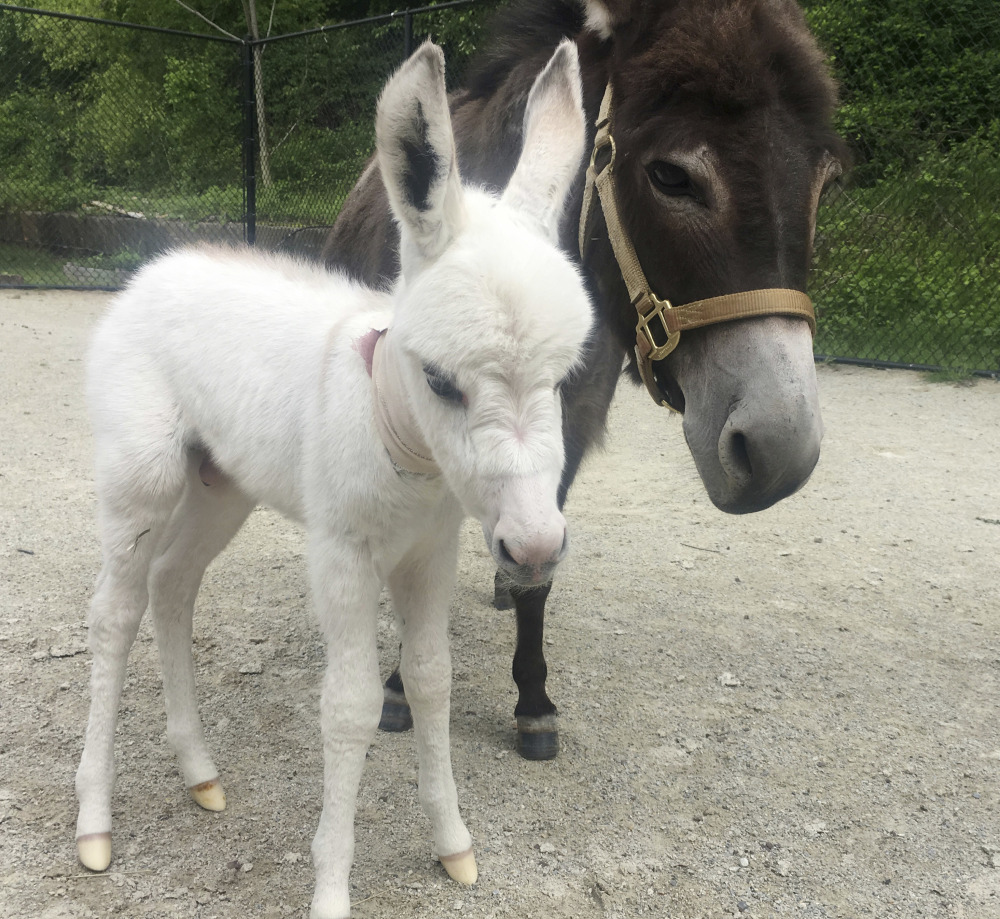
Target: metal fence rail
(156, 137)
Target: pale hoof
(461, 867)
(209, 795)
(94, 850)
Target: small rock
(546, 848)
(40, 656)
(727, 679)
(252, 665)
(293, 858)
(744, 862)
(783, 868)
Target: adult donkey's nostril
(734, 455)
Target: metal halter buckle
(653, 333)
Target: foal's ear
(416, 154)
(554, 137)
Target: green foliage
(907, 268)
(907, 254)
(125, 258)
(94, 119)
(915, 75)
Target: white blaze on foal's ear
(554, 139)
(416, 154)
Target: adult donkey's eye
(443, 386)
(671, 179)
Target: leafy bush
(907, 268)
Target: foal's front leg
(345, 587)
(421, 588)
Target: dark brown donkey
(718, 147)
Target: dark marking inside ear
(422, 164)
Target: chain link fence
(119, 140)
(908, 246)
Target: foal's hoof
(209, 795)
(396, 716)
(538, 738)
(461, 867)
(94, 850)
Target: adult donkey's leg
(586, 399)
(537, 725)
(586, 402)
(396, 715)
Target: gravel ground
(787, 714)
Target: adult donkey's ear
(604, 16)
(554, 138)
(416, 154)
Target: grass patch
(32, 266)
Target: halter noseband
(660, 323)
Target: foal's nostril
(505, 554)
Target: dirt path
(788, 714)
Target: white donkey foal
(220, 379)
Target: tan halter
(394, 419)
(660, 323)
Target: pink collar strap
(394, 419)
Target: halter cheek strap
(660, 323)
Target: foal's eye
(443, 386)
(670, 179)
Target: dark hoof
(502, 598)
(538, 738)
(396, 716)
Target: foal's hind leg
(204, 522)
(133, 510)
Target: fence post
(249, 145)
(407, 34)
